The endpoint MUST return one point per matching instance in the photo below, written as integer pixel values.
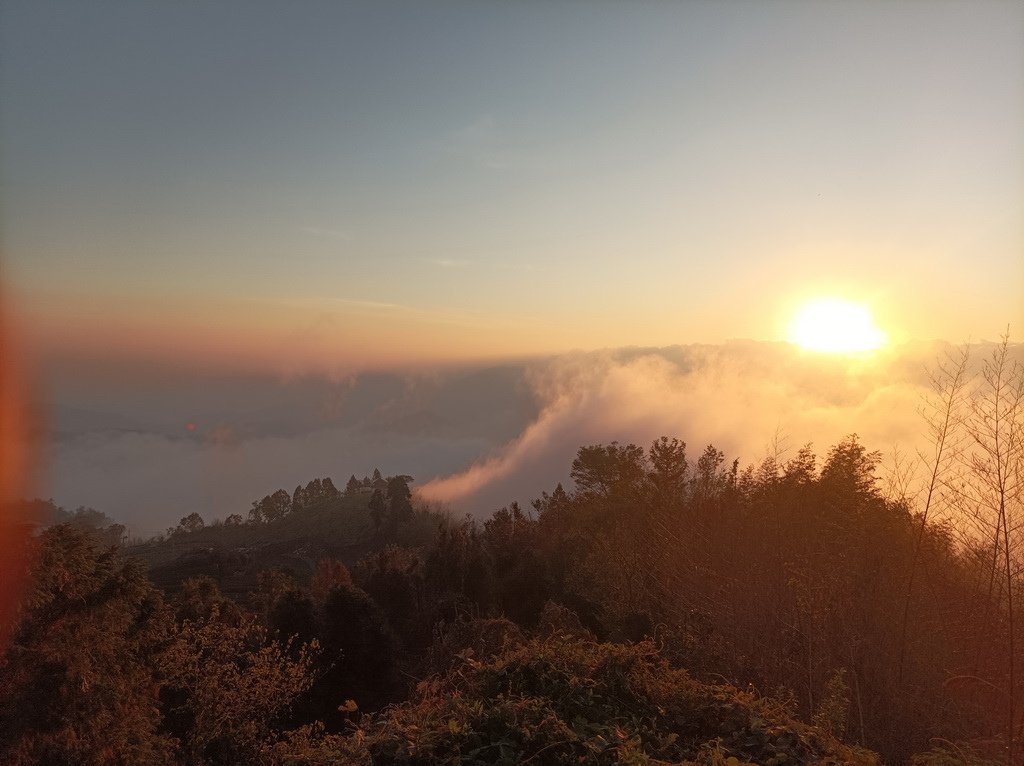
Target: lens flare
(16, 521)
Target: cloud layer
(741, 397)
(149, 451)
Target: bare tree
(942, 412)
(988, 495)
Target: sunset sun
(835, 326)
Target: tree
(393, 578)
(669, 467)
(226, 686)
(233, 520)
(191, 523)
(850, 468)
(200, 599)
(943, 414)
(330, 492)
(256, 513)
(330, 574)
(78, 676)
(457, 568)
(990, 494)
(604, 469)
(359, 644)
(520, 581)
(377, 509)
(399, 498)
(271, 584)
(83, 516)
(313, 493)
(293, 617)
(114, 534)
(273, 507)
(276, 506)
(352, 487)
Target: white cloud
(737, 397)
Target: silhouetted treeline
(557, 633)
(46, 513)
(389, 501)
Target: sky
(338, 185)
(250, 243)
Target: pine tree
(352, 487)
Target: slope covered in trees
(287, 530)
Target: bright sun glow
(835, 326)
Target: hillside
(233, 555)
(558, 633)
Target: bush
(563, 700)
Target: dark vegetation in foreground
(666, 610)
(557, 635)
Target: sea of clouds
(149, 450)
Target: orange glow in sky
(493, 205)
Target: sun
(835, 326)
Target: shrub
(563, 700)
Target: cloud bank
(741, 397)
(149, 451)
